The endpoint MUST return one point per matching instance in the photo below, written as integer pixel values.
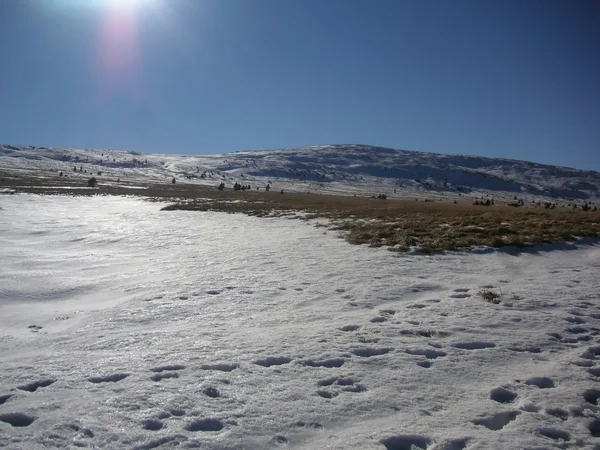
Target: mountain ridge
(343, 168)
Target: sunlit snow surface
(125, 327)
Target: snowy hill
(345, 169)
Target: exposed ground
(400, 225)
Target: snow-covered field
(124, 327)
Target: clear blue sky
(512, 78)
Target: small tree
(92, 182)
(173, 181)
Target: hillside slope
(348, 169)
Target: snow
(123, 326)
(339, 169)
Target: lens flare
(118, 45)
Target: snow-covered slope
(124, 327)
(333, 168)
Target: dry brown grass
(396, 224)
(404, 224)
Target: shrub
(92, 182)
(489, 296)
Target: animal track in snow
(424, 364)
(367, 352)
(167, 367)
(213, 292)
(152, 424)
(209, 424)
(540, 382)
(162, 376)
(177, 412)
(273, 361)
(32, 387)
(109, 378)
(502, 395)
(428, 353)
(223, 367)
(35, 328)
(4, 398)
(406, 442)
(350, 328)
(462, 290)
(17, 419)
(497, 421)
(328, 363)
(554, 433)
(475, 345)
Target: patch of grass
(399, 225)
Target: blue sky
(514, 79)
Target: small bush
(92, 182)
(489, 296)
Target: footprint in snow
(406, 442)
(167, 367)
(223, 367)
(417, 306)
(109, 379)
(152, 424)
(32, 387)
(273, 361)
(540, 382)
(553, 433)
(460, 295)
(428, 353)
(17, 419)
(165, 375)
(592, 396)
(206, 425)
(575, 320)
(379, 319)
(560, 413)
(367, 352)
(503, 395)
(497, 421)
(475, 345)
(213, 292)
